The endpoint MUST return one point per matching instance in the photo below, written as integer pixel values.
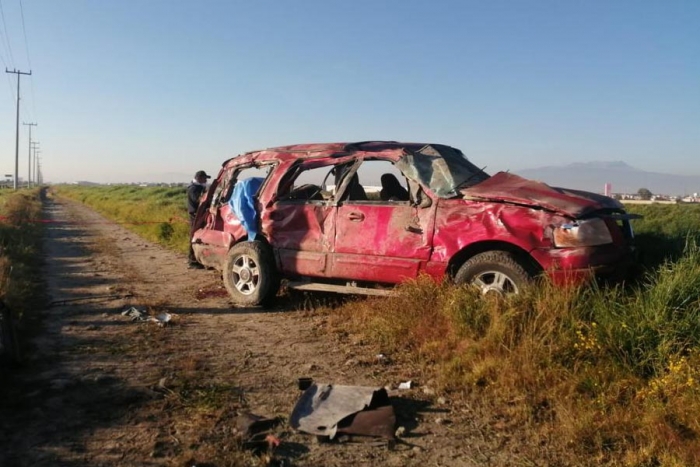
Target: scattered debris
(255, 434)
(326, 410)
(162, 319)
(135, 314)
(441, 401)
(406, 385)
(428, 391)
(400, 432)
(304, 383)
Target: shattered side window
(307, 183)
(234, 175)
(376, 181)
(441, 168)
(223, 185)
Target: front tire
(495, 273)
(250, 275)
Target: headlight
(590, 232)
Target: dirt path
(102, 390)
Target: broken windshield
(441, 168)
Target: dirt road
(99, 389)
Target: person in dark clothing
(194, 194)
(392, 189)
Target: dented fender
(461, 223)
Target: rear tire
(250, 275)
(494, 272)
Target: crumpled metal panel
(508, 187)
(326, 410)
(524, 228)
(379, 422)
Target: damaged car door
(300, 220)
(382, 235)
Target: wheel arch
(473, 249)
(244, 238)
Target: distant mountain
(592, 176)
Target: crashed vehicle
(316, 216)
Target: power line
(4, 42)
(9, 83)
(29, 61)
(24, 31)
(7, 37)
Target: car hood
(510, 188)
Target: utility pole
(19, 75)
(29, 154)
(35, 146)
(37, 167)
(39, 175)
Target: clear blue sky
(127, 90)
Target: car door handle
(356, 216)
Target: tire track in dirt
(90, 394)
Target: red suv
(359, 217)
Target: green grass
(665, 229)
(158, 214)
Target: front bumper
(572, 266)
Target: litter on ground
(328, 410)
(406, 385)
(162, 319)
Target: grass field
(158, 214)
(21, 287)
(603, 375)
